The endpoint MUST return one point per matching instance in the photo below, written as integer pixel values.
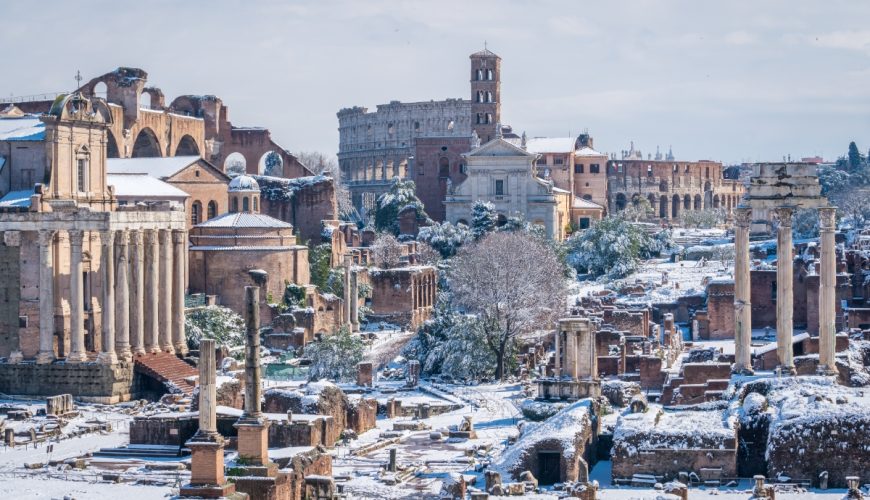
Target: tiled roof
(245, 219)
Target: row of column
(143, 283)
(784, 291)
(373, 170)
(423, 292)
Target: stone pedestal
(364, 374)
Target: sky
(728, 81)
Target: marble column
(570, 353)
(152, 302)
(557, 366)
(122, 296)
(165, 291)
(253, 429)
(179, 255)
(137, 293)
(77, 305)
(742, 294)
(46, 298)
(784, 291)
(107, 266)
(827, 291)
(354, 301)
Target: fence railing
(49, 96)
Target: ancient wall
(100, 383)
(720, 310)
(438, 166)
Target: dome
(243, 183)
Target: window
(443, 167)
(489, 74)
(593, 168)
(212, 209)
(489, 97)
(391, 129)
(649, 171)
(235, 205)
(479, 75)
(578, 168)
(419, 168)
(558, 161)
(416, 125)
(82, 174)
(195, 211)
(196, 173)
(686, 169)
(488, 118)
(462, 168)
(584, 222)
(256, 207)
(478, 118)
(479, 96)
(499, 187)
(708, 172)
(245, 204)
(450, 125)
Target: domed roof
(243, 183)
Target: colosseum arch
(187, 147)
(663, 206)
(715, 201)
(687, 202)
(235, 164)
(675, 206)
(146, 145)
(112, 150)
(697, 202)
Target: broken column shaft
(252, 427)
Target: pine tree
(483, 218)
(856, 159)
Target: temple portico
(780, 189)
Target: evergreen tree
(856, 159)
(335, 357)
(483, 218)
(402, 194)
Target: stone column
(165, 291)
(77, 306)
(348, 262)
(784, 293)
(107, 264)
(137, 291)
(122, 296)
(179, 255)
(354, 301)
(252, 427)
(46, 298)
(570, 351)
(827, 291)
(152, 301)
(207, 478)
(557, 366)
(742, 304)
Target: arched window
(82, 174)
(245, 204)
(479, 75)
(195, 213)
(256, 205)
(235, 205)
(489, 97)
(443, 167)
(478, 118)
(479, 96)
(488, 118)
(489, 74)
(212, 209)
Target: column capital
(827, 218)
(165, 236)
(107, 238)
(150, 236)
(784, 215)
(122, 237)
(179, 235)
(743, 216)
(135, 236)
(46, 237)
(76, 237)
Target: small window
(235, 205)
(195, 211)
(420, 168)
(584, 222)
(489, 74)
(558, 161)
(489, 97)
(196, 173)
(593, 168)
(649, 172)
(256, 207)
(578, 168)
(391, 129)
(416, 125)
(499, 187)
(462, 168)
(708, 172)
(212, 209)
(245, 204)
(82, 174)
(488, 118)
(479, 75)
(687, 169)
(450, 125)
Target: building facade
(377, 146)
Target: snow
(22, 129)
(587, 151)
(157, 167)
(17, 198)
(39, 487)
(660, 428)
(143, 186)
(551, 144)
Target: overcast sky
(729, 81)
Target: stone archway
(187, 147)
(663, 207)
(675, 206)
(112, 150)
(235, 164)
(271, 164)
(687, 202)
(146, 145)
(697, 202)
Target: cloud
(849, 40)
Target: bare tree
(514, 283)
(386, 251)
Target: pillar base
(253, 441)
(197, 491)
(107, 358)
(153, 350)
(168, 349)
(787, 370)
(826, 371)
(15, 357)
(77, 357)
(138, 352)
(125, 355)
(43, 358)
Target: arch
(707, 186)
(100, 89)
(111, 145)
(587, 197)
(663, 207)
(488, 96)
(462, 221)
(479, 75)
(479, 96)
(234, 205)
(271, 164)
(195, 213)
(256, 203)
(145, 100)
(211, 213)
(235, 164)
(489, 74)
(652, 200)
(697, 202)
(246, 204)
(715, 201)
(687, 202)
(146, 145)
(675, 206)
(620, 202)
(187, 147)
(635, 199)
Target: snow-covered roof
(551, 144)
(243, 183)
(22, 129)
(587, 151)
(583, 203)
(142, 186)
(657, 428)
(245, 219)
(157, 167)
(18, 199)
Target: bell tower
(485, 94)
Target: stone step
(168, 369)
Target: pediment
(500, 147)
